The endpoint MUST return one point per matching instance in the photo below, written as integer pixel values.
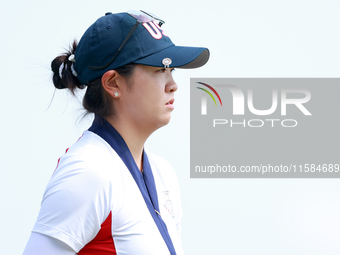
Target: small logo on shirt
(168, 204)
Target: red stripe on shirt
(103, 243)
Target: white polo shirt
(93, 204)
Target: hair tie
(61, 70)
(72, 58)
(73, 70)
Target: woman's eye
(164, 70)
(161, 70)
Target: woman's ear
(111, 83)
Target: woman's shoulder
(90, 144)
(90, 148)
(89, 157)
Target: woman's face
(149, 102)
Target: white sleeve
(40, 245)
(76, 201)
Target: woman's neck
(133, 137)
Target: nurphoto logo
(264, 127)
(280, 99)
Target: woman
(108, 195)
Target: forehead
(142, 71)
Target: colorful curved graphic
(209, 92)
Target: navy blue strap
(145, 181)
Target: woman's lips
(170, 104)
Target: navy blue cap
(148, 45)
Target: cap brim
(181, 57)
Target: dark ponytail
(63, 78)
(96, 99)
